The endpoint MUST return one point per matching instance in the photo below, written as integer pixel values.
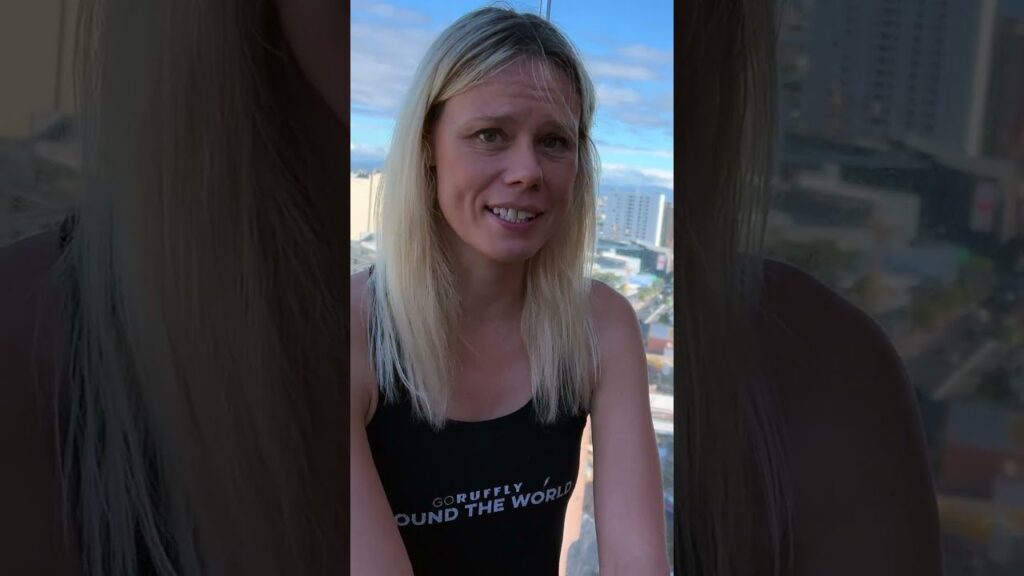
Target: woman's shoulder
(619, 340)
(809, 328)
(363, 381)
(360, 307)
(610, 310)
(854, 438)
(806, 313)
(359, 283)
(826, 356)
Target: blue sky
(627, 47)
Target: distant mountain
(367, 165)
(603, 188)
(609, 189)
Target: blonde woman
(190, 422)
(479, 344)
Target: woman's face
(505, 155)
(316, 33)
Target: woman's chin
(511, 256)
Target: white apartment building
(878, 69)
(631, 216)
(364, 194)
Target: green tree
(868, 292)
(924, 313)
(995, 386)
(823, 258)
(610, 279)
(976, 277)
(648, 292)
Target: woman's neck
(489, 291)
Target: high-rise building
(881, 69)
(631, 215)
(364, 195)
(1004, 113)
(793, 58)
(666, 226)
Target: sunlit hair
(416, 308)
(731, 466)
(199, 425)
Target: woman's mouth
(513, 216)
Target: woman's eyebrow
(492, 118)
(505, 119)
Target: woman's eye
(555, 142)
(488, 136)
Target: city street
(944, 354)
(952, 363)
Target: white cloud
(630, 106)
(365, 153)
(605, 148)
(663, 102)
(646, 53)
(614, 96)
(607, 69)
(390, 12)
(384, 59)
(356, 147)
(625, 175)
(631, 86)
(388, 45)
(642, 117)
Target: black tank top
(484, 497)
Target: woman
(195, 402)
(801, 451)
(479, 343)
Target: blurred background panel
(900, 183)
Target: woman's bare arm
(628, 497)
(574, 511)
(377, 548)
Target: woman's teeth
(512, 215)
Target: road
(930, 367)
(649, 311)
(965, 378)
(953, 362)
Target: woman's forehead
(524, 84)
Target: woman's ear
(428, 134)
(428, 153)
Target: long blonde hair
(732, 462)
(415, 302)
(199, 429)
